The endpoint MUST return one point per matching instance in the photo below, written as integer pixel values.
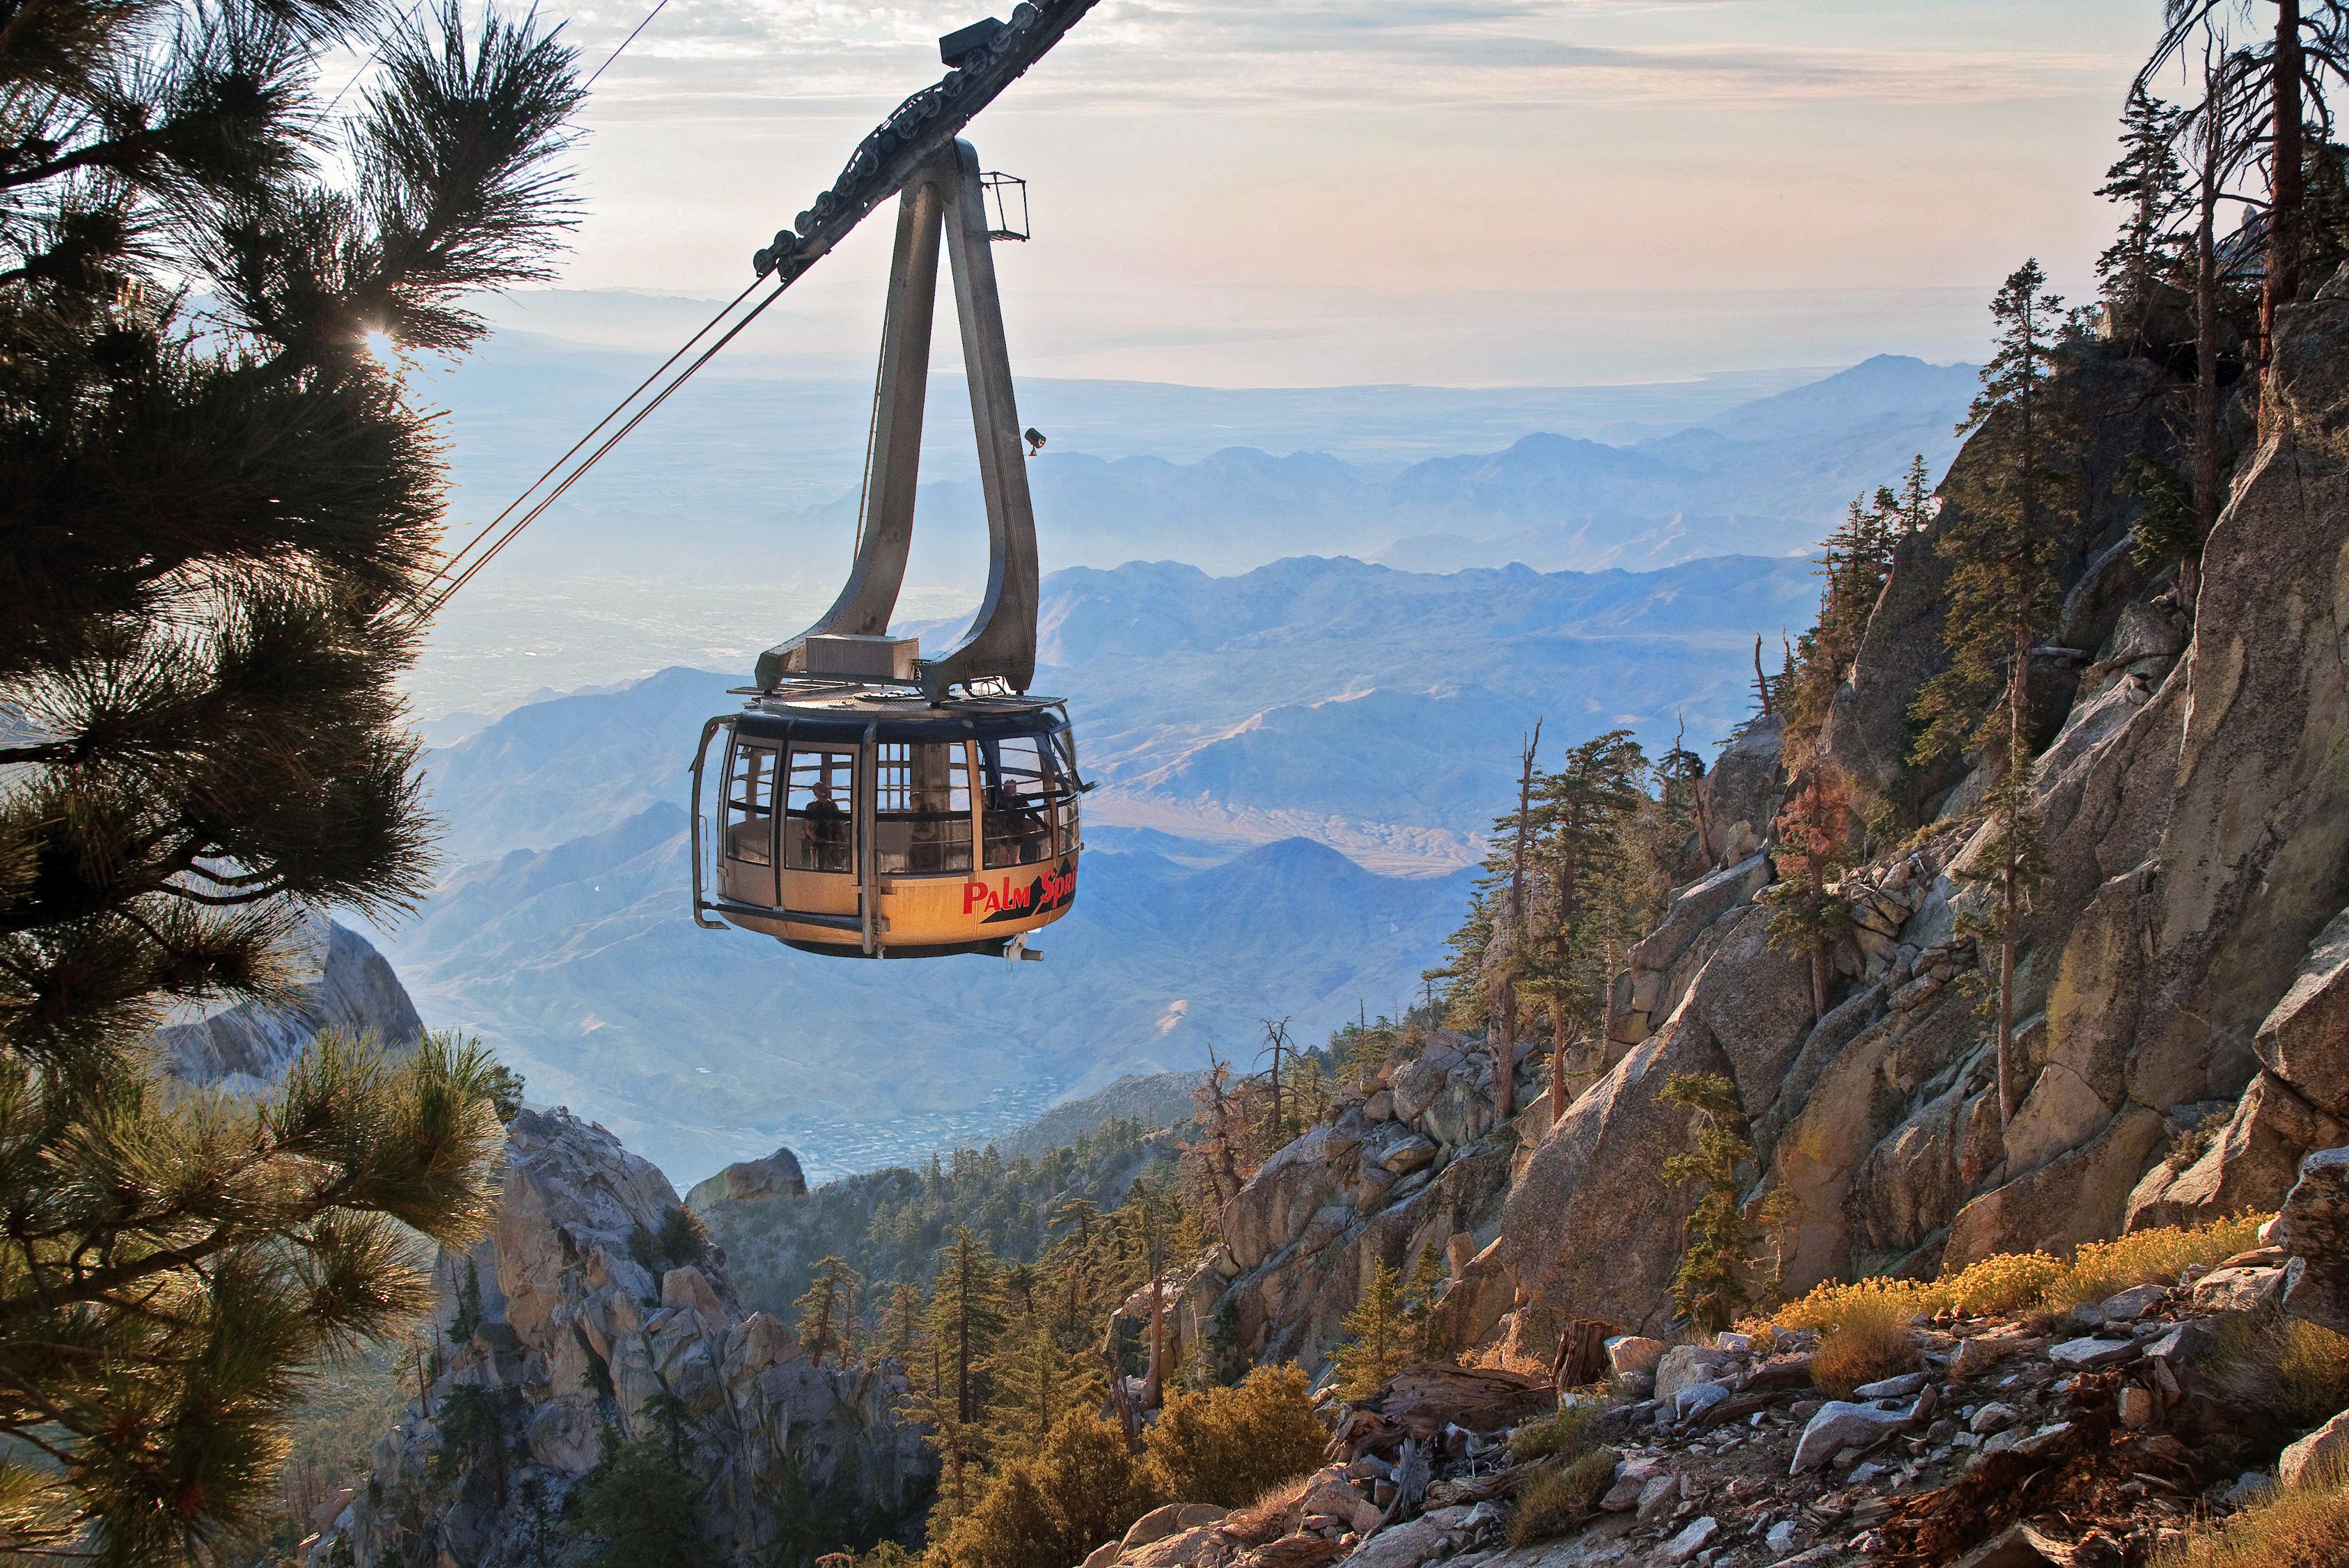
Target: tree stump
(1581, 1354)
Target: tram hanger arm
(983, 62)
(985, 58)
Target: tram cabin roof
(842, 709)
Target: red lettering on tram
(1049, 890)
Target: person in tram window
(1024, 825)
(827, 831)
(926, 833)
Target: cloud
(794, 57)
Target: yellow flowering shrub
(2010, 1283)
(2002, 1283)
(1828, 1304)
(2100, 1269)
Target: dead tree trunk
(1504, 1022)
(2281, 284)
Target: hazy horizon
(1458, 192)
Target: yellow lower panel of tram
(928, 911)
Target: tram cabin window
(1064, 749)
(921, 808)
(1026, 787)
(751, 806)
(818, 832)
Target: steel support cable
(878, 170)
(375, 51)
(872, 429)
(624, 44)
(431, 606)
(449, 563)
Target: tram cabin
(866, 821)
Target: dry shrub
(1228, 1444)
(1558, 1496)
(2287, 1368)
(2304, 1527)
(1563, 1435)
(2100, 1269)
(1870, 1341)
(1274, 1512)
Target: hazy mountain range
(757, 476)
(727, 521)
(1299, 733)
(1310, 699)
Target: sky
(1230, 192)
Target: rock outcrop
(2182, 975)
(351, 989)
(1414, 1162)
(776, 1176)
(593, 1313)
(2182, 992)
(2001, 1443)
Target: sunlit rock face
(594, 1310)
(349, 988)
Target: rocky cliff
(349, 988)
(2183, 1001)
(595, 1314)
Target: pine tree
(673, 1417)
(2261, 98)
(2003, 591)
(960, 1330)
(966, 1317)
(1588, 912)
(1709, 1288)
(1679, 792)
(1815, 834)
(901, 1323)
(1377, 1343)
(827, 1311)
(646, 1511)
(1281, 1122)
(1856, 561)
(473, 1430)
(1040, 1378)
(2148, 183)
(213, 526)
(1506, 964)
(1212, 1157)
(1462, 996)
(1423, 1331)
(1914, 508)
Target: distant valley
(1240, 727)
(1299, 681)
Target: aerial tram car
(865, 801)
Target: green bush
(1558, 1496)
(1563, 1435)
(2291, 1372)
(682, 1239)
(1049, 1509)
(646, 1511)
(1226, 1446)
